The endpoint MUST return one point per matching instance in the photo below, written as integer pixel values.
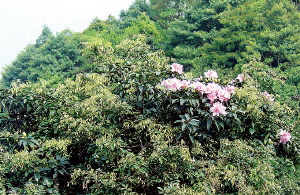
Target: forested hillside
(173, 97)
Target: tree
(198, 26)
(138, 7)
(51, 57)
(19, 67)
(44, 37)
(215, 38)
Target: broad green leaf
(217, 122)
(187, 116)
(192, 138)
(194, 122)
(37, 176)
(209, 122)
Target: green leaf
(209, 122)
(187, 116)
(266, 138)
(178, 136)
(48, 182)
(192, 138)
(178, 121)
(139, 104)
(61, 171)
(182, 101)
(181, 134)
(37, 176)
(140, 98)
(141, 88)
(34, 141)
(194, 122)
(52, 112)
(200, 138)
(183, 126)
(260, 142)
(45, 169)
(222, 124)
(235, 116)
(217, 122)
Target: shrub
(136, 125)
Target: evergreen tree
(44, 37)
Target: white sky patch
(22, 21)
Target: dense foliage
(51, 57)
(107, 111)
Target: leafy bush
(135, 125)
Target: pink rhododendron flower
(285, 136)
(232, 82)
(198, 86)
(218, 109)
(215, 91)
(211, 74)
(223, 95)
(240, 77)
(212, 88)
(184, 84)
(177, 68)
(230, 89)
(212, 97)
(268, 96)
(172, 84)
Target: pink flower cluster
(198, 86)
(211, 74)
(240, 78)
(177, 68)
(175, 84)
(268, 96)
(218, 109)
(284, 136)
(230, 89)
(214, 92)
(172, 84)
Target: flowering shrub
(137, 125)
(177, 68)
(203, 105)
(241, 77)
(173, 84)
(217, 109)
(284, 136)
(211, 74)
(268, 96)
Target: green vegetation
(102, 111)
(54, 58)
